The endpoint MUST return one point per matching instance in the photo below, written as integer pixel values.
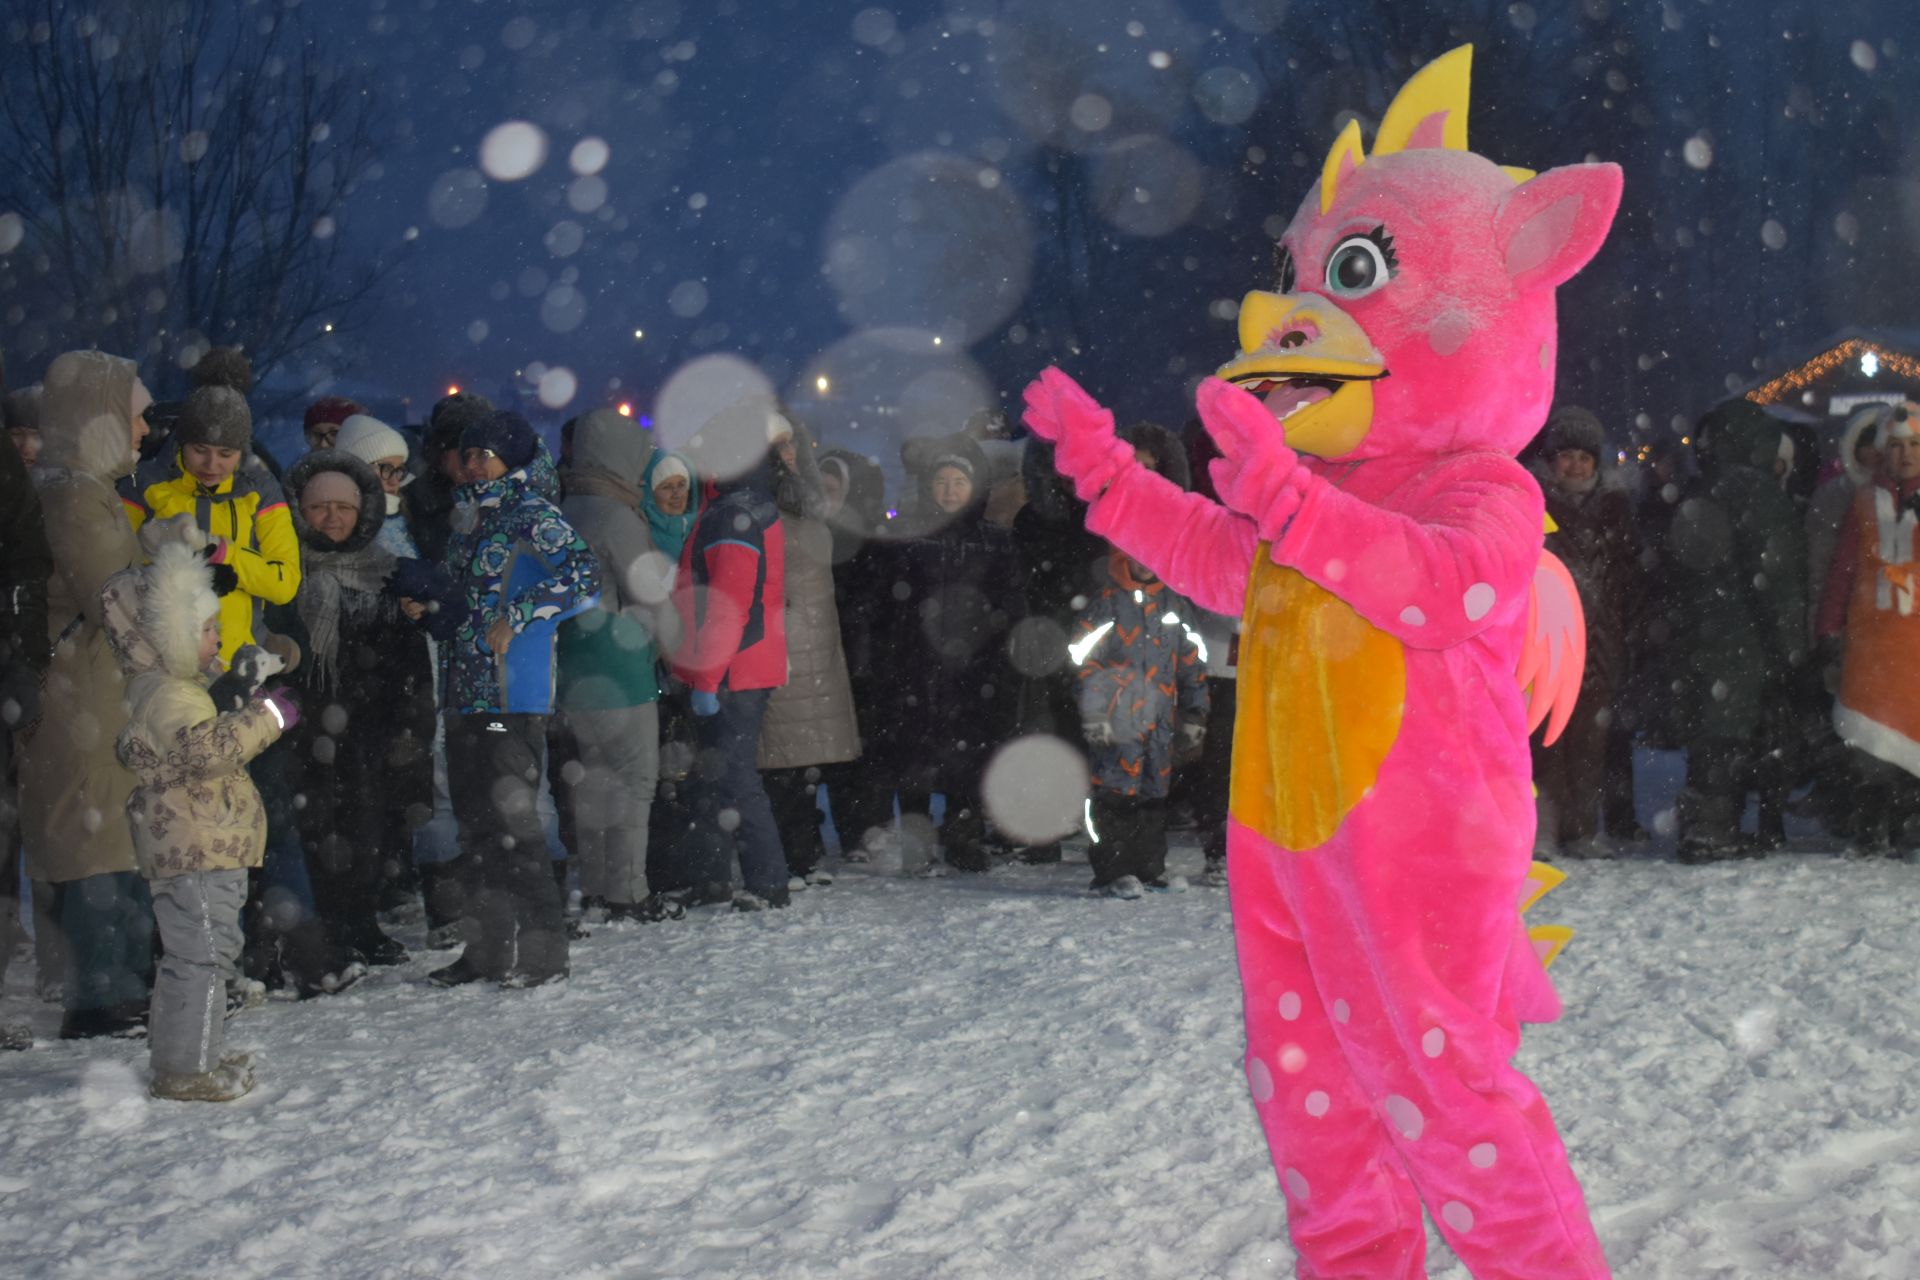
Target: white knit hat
(369, 439)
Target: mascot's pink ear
(1552, 225)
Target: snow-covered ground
(977, 1077)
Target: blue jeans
(727, 782)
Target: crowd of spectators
(271, 709)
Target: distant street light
(821, 384)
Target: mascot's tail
(1548, 940)
(1552, 659)
(1554, 653)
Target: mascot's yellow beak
(1314, 367)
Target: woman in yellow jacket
(254, 550)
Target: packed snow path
(977, 1077)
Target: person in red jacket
(730, 598)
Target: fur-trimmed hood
(154, 615)
(1863, 422)
(373, 500)
(86, 415)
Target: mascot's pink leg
(1382, 1079)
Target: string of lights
(1872, 359)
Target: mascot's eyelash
(1283, 268)
(1385, 242)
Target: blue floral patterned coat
(516, 558)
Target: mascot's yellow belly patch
(1321, 693)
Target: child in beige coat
(198, 823)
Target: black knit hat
(217, 416)
(510, 436)
(451, 417)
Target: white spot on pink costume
(1479, 601)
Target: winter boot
(374, 946)
(1127, 887)
(15, 1037)
(521, 979)
(651, 909)
(457, 974)
(224, 1083)
(771, 900)
(125, 1021)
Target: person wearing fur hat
(93, 415)
(937, 606)
(240, 509)
(517, 570)
(1868, 611)
(365, 772)
(196, 820)
(1594, 537)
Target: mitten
(1087, 450)
(1098, 733)
(1256, 474)
(705, 703)
(284, 706)
(1195, 733)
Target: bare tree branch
(181, 173)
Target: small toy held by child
(1143, 701)
(198, 823)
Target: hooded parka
(810, 719)
(73, 788)
(194, 807)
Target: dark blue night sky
(826, 188)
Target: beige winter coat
(810, 719)
(73, 789)
(193, 808)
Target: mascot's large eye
(1361, 264)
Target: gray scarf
(335, 584)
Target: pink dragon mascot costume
(1383, 549)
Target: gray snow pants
(611, 795)
(198, 915)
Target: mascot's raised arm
(1383, 550)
